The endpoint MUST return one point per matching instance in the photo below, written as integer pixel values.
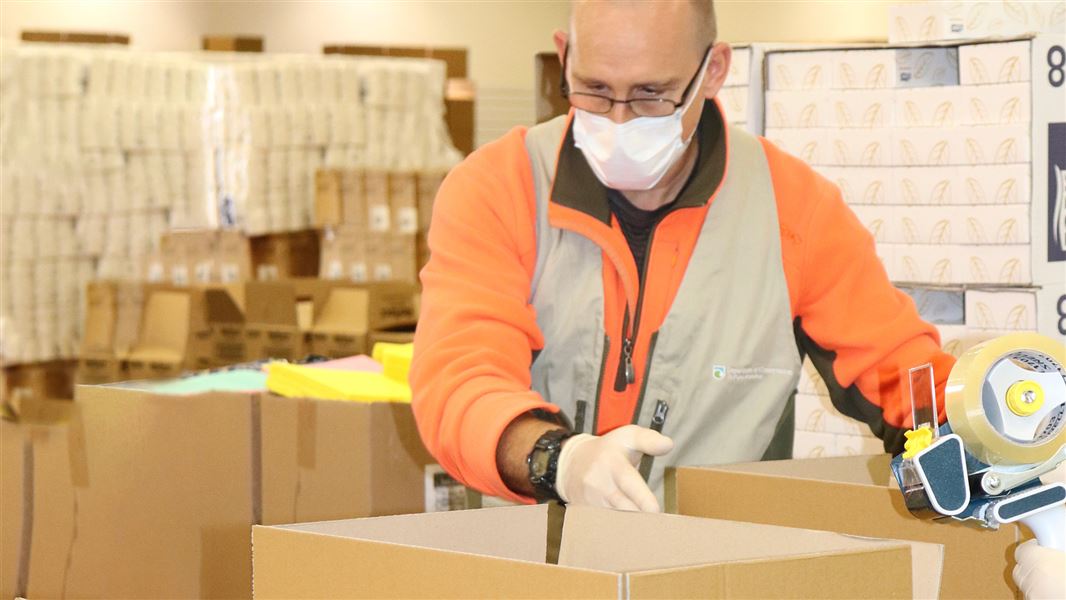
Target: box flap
(346, 311)
(165, 322)
(860, 470)
(514, 532)
(221, 307)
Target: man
(639, 265)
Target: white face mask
(634, 155)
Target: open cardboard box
(504, 553)
(341, 328)
(853, 495)
(143, 495)
(112, 321)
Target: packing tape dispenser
(1005, 400)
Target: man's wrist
(543, 463)
(512, 451)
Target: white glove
(1041, 572)
(601, 470)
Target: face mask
(634, 155)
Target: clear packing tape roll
(1006, 397)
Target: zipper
(599, 384)
(626, 374)
(658, 420)
(579, 417)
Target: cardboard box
(285, 255)
(145, 495)
(923, 146)
(344, 253)
(202, 256)
(547, 72)
(350, 313)
(1006, 264)
(498, 552)
(863, 69)
(804, 70)
(929, 21)
(988, 224)
(859, 147)
(863, 185)
(740, 67)
(1003, 104)
(995, 184)
(1001, 309)
(809, 145)
(864, 501)
(985, 63)
(429, 183)
(278, 318)
(861, 109)
(939, 306)
(927, 186)
(232, 43)
(734, 103)
(880, 221)
(930, 107)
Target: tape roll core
(964, 398)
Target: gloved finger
(634, 487)
(619, 501)
(649, 441)
(1026, 551)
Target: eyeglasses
(642, 107)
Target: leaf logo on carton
(911, 272)
(910, 231)
(944, 114)
(942, 271)
(1005, 194)
(809, 115)
(909, 153)
(1008, 232)
(975, 231)
(978, 112)
(871, 155)
(973, 152)
(978, 71)
(875, 228)
(985, 320)
(1011, 111)
(813, 77)
(910, 192)
(876, 77)
(840, 150)
(872, 116)
(874, 193)
(975, 16)
(847, 75)
(1010, 71)
(1011, 271)
(785, 76)
(817, 452)
(1015, 11)
(843, 116)
(924, 60)
(941, 233)
(1057, 17)
(845, 190)
(976, 194)
(953, 347)
(809, 152)
(978, 270)
(815, 421)
(1007, 151)
(941, 192)
(940, 155)
(928, 28)
(780, 116)
(911, 115)
(1018, 317)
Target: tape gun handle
(1049, 527)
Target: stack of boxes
(947, 155)
(735, 95)
(931, 21)
(106, 150)
(374, 222)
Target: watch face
(539, 464)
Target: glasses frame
(564, 88)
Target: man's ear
(560, 38)
(717, 69)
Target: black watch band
(543, 464)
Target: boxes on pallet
(279, 315)
(350, 313)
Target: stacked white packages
(104, 150)
(945, 154)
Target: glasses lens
(652, 107)
(590, 103)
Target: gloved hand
(1041, 572)
(601, 470)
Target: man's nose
(620, 113)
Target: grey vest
(725, 359)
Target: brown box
(455, 59)
(328, 209)
(273, 327)
(503, 553)
(403, 202)
(850, 495)
(112, 316)
(429, 183)
(285, 255)
(351, 313)
(148, 496)
(459, 103)
(404, 336)
(71, 37)
(344, 254)
(402, 257)
(26, 384)
(232, 43)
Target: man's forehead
(638, 24)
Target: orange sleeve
(861, 333)
(470, 375)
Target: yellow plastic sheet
(300, 381)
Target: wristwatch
(543, 463)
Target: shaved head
(698, 14)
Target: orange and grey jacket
(531, 300)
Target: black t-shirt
(637, 225)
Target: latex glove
(1041, 572)
(602, 470)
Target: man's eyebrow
(662, 84)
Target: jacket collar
(577, 187)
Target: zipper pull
(626, 373)
(658, 420)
